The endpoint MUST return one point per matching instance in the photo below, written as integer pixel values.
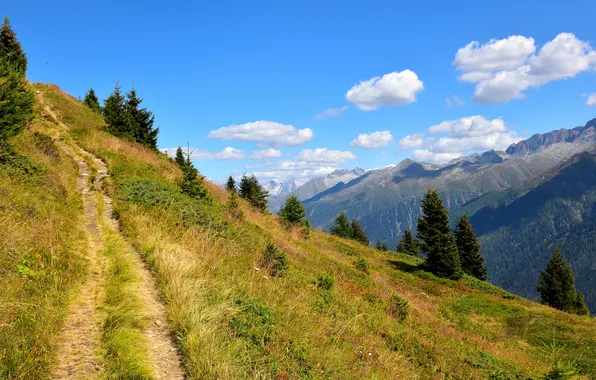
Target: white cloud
(265, 154)
(502, 76)
(591, 100)
(308, 163)
(461, 137)
(396, 88)
(331, 112)
(372, 140)
(478, 62)
(266, 132)
(454, 101)
(469, 126)
(426, 155)
(323, 155)
(227, 153)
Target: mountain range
(387, 201)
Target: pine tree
(408, 244)
(231, 184)
(114, 111)
(253, 192)
(378, 246)
(556, 286)
(341, 226)
(142, 127)
(180, 158)
(442, 257)
(10, 49)
(16, 103)
(293, 211)
(192, 184)
(358, 233)
(92, 101)
(468, 246)
(384, 247)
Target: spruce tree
(142, 121)
(10, 49)
(556, 285)
(293, 210)
(16, 103)
(384, 247)
(253, 192)
(92, 101)
(114, 111)
(179, 158)
(341, 226)
(192, 183)
(408, 244)
(468, 246)
(442, 257)
(231, 184)
(358, 233)
(378, 246)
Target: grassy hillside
(335, 314)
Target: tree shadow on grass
(403, 266)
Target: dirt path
(80, 337)
(77, 351)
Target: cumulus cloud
(323, 155)
(454, 101)
(396, 88)
(591, 100)
(265, 154)
(227, 153)
(265, 132)
(479, 62)
(308, 163)
(426, 155)
(331, 112)
(504, 69)
(372, 140)
(460, 137)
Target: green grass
(124, 344)
(41, 251)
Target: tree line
(125, 117)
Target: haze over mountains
(387, 201)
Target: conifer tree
(358, 233)
(92, 101)
(192, 184)
(16, 103)
(10, 49)
(253, 192)
(142, 121)
(341, 226)
(468, 246)
(293, 210)
(179, 158)
(384, 247)
(114, 111)
(442, 257)
(378, 246)
(231, 184)
(556, 285)
(408, 244)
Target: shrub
(275, 261)
(325, 281)
(254, 322)
(398, 308)
(234, 206)
(362, 265)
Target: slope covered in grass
(336, 312)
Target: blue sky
(232, 78)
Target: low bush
(398, 308)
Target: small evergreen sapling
(231, 184)
(293, 211)
(275, 260)
(408, 244)
(92, 101)
(358, 233)
(179, 158)
(341, 226)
